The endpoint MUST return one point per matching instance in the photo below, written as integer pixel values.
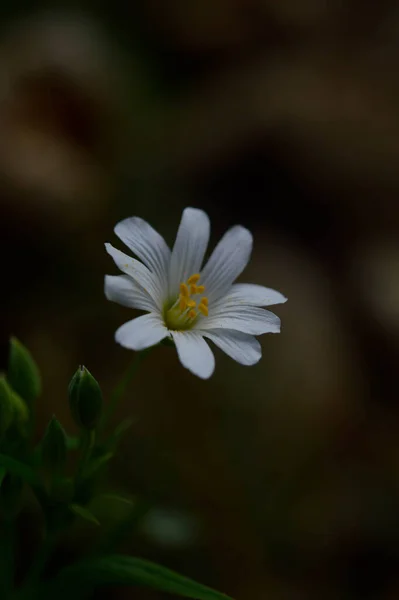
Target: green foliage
(127, 570)
(6, 406)
(64, 496)
(85, 399)
(84, 513)
(23, 373)
(22, 470)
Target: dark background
(279, 481)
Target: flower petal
(123, 290)
(227, 262)
(194, 353)
(147, 244)
(248, 319)
(189, 248)
(241, 347)
(142, 332)
(138, 272)
(252, 295)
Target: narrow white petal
(189, 248)
(138, 272)
(123, 290)
(141, 333)
(253, 295)
(248, 319)
(227, 262)
(194, 353)
(147, 244)
(241, 347)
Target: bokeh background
(279, 481)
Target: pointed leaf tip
(84, 513)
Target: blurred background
(279, 481)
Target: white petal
(123, 290)
(141, 333)
(248, 319)
(147, 244)
(189, 248)
(138, 272)
(227, 262)
(243, 348)
(253, 295)
(194, 353)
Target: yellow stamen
(204, 300)
(200, 289)
(182, 303)
(191, 303)
(203, 309)
(193, 279)
(193, 289)
(192, 314)
(184, 290)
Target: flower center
(188, 305)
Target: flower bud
(53, 447)
(6, 406)
(23, 374)
(85, 399)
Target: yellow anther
(193, 289)
(184, 290)
(200, 289)
(191, 303)
(204, 300)
(192, 314)
(194, 278)
(182, 303)
(203, 309)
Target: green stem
(122, 386)
(88, 441)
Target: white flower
(185, 301)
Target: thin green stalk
(88, 442)
(121, 387)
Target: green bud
(85, 399)
(14, 413)
(6, 406)
(21, 411)
(53, 447)
(23, 373)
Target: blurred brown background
(279, 481)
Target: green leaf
(127, 570)
(84, 513)
(6, 406)
(117, 498)
(96, 464)
(20, 469)
(23, 373)
(119, 431)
